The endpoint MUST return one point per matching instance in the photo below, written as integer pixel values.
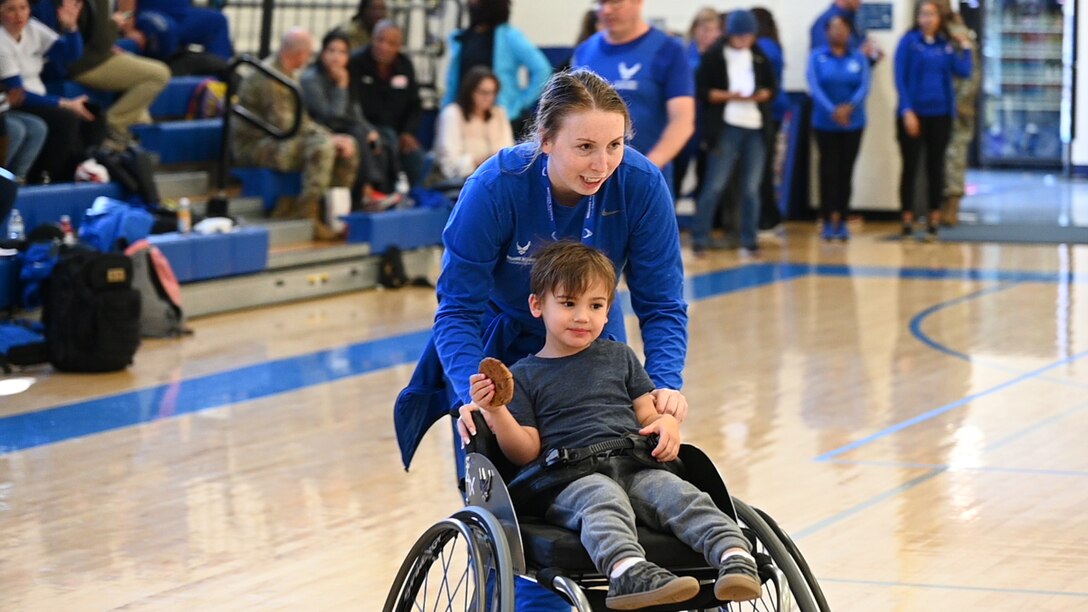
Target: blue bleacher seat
(268, 184)
(197, 140)
(410, 228)
(46, 203)
(173, 102)
(9, 281)
(196, 257)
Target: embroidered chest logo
(521, 259)
(627, 76)
(523, 249)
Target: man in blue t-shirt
(650, 70)
(848, 10)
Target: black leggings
(69, 141)
(934, 137)
(838, 152)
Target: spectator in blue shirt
(767, 40)
(925, 63)
(490, 41)
(650, 70)
(859, 39)
(162, 28)
(839, 79)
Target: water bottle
(185, 216)
(66, 229)
(402, 188)
(16, 229)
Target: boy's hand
(482, 391)
(667, 429)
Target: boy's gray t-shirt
(582, 399)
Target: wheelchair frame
(496, 552)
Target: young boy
(578, 391)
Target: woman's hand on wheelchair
(465, 427)
(670, 401)
(667, 429)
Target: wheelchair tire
(802, 564)
(768, 543)
(451, 568)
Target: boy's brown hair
(571, 267)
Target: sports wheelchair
(468, 561)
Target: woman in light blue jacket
(492, 42)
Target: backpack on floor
(91, 312)
(161, 315)
(21, 344)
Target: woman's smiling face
(585, 150)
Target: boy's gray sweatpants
(604, 510)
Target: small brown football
(503, 379)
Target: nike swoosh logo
(609, 213)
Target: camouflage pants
(312, 151)
(955, 174)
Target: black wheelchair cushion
(550, 546)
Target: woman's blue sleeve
(655, 277)
(473, 239)
(816, 87)
(902, 58)
(30, 99)
(962, 63)
(866, 80)
(534, 60)
(66, 49)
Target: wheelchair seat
(551, 546)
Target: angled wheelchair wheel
(784, 586)
(802, 564)
(460, 564)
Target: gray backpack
(161, 315)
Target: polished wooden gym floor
(914, 414)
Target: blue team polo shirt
(647, 72)
(835, 80)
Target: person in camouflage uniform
(963, 125)
(325, 159)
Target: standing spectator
(839, 79)
(963, 126)
(105, 67)
(161, 28)
(706, 29)
(361, 25)
(767, 39)
(389, 93)
(327, 96)
(74, 124)
(925, 63)
(325, 159)
(490, 41)
(650, 70)
(848, 10)
(736, 80)
(473, 128)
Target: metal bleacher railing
(257, 25)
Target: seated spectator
(325, 159)
(490, 41)
(386, 85)
(74, 124)
(104, 66)
(473, 128)
(329, 100)
(161, 28)
(358, 29)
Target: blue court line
(948, 407)
(264, 379)
(953, 587)
(916, 322)
(945, 466)
(865, 505)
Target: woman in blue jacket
(925, 62)
(489, 40)
(575, 179)
(839, 79)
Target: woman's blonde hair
(571, 92)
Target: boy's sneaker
(737, 579)
(645, 584)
